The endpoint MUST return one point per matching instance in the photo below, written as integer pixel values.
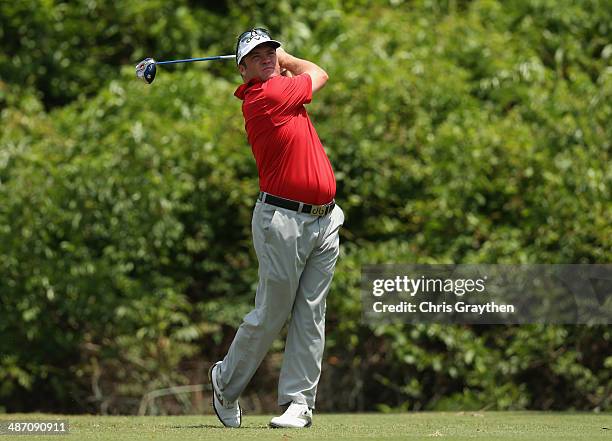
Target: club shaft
(189, 60)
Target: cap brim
(253, 44)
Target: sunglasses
(252, 34)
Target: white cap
(250, 39)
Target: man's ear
(242, 68)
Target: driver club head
(146, 70)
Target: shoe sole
(213, 400)
(277, 426)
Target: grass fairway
(537, 426)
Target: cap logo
(254, 34)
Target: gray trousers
(297, 255)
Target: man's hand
(282, 57)
(296, 66)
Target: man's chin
(267, 75)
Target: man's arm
(297, 66)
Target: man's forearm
(299, 66)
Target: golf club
(146, 69)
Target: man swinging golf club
(295, 232)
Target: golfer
(295, 229)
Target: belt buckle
(318, 210)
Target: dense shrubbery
(459, 131)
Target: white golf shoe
(296, 416)
(229, 413)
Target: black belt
(315, 210)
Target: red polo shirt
(289, 155)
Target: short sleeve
(287, 95)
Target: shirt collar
(241, 91)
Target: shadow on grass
(210, 426)
(197, 426)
